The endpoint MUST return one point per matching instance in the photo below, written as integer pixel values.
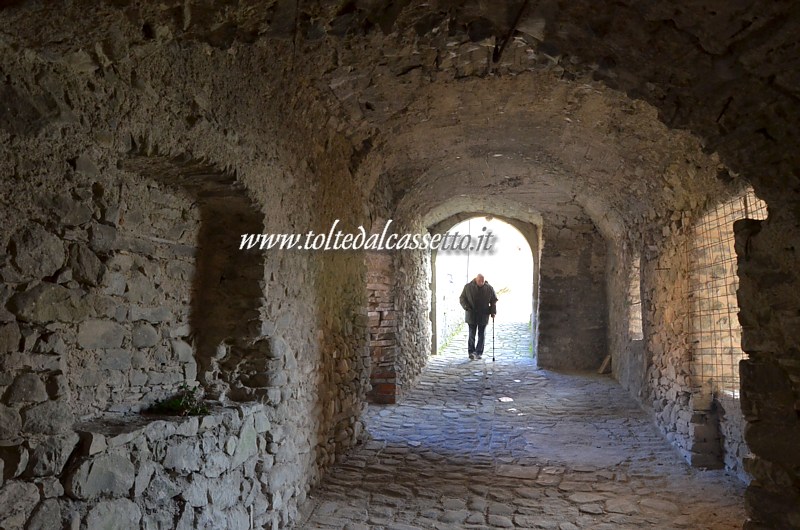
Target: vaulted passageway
(482, 444)
(612, 126)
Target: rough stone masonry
(138, 140)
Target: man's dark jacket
(478, 302)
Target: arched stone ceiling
(434, 90)
(542, 142)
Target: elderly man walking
(479, 301)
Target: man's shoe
(471, 356)
(479, 356)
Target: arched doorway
(505, 252)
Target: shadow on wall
(227, 286)
(226, 297)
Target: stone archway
(532, 236)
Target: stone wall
(770, 377)
(732, 425)
(573, 309)
(250, 89)
(152, 472)
(629, 358)
(666, 316)
(704, 430)
(413, 305)
(96, 291)
(108, 265)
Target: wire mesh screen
(716, 333)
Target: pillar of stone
(769, 296)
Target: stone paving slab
(482, 444)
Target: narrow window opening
(635, 299)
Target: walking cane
(492, 338)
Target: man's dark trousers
(477, 349)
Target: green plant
(187, 402)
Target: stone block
(139, 360)
(50, 417)
(49, 457)
(51, 343)
(154, 315)
(246, 446)
(238, 519)
(187, 427)
(230, 445)
(114, 285)
(181, 331)
(164, 378)
(48, 302)
(10, 422)
(57, 386)
(10, 338)
(144, 336)
(69, 211)
(180, 270)
(268, 327)
(196, 492)
(115, 359)
(119, 514)
(86, 266)
(46, 516)
(183, 457)
(143, 477)
(104, 474)
(279, 476)
(273, 396)
(140, 289)
(261, 422)
(46, 363)
(216, 463)
(98, 334)
(224, 492)
(93, 443)
(37, 253)
(182, 351)
(137, 378)
(17, 501)
(124, 437)
(104, 306)
(120, 262)
(88, 377)
(102, 238)
(278, 348)
(27, 388)
(190, 371)
(162, 488)
(161, 354)
(768, 439)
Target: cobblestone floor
(482, 444)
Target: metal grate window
(715, 332)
